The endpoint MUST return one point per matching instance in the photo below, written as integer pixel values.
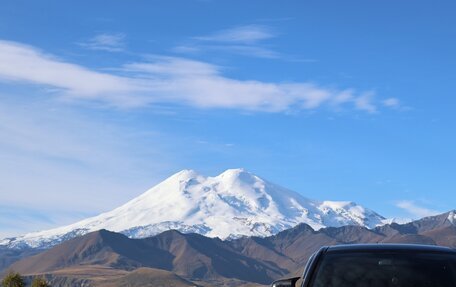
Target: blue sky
(338, 100)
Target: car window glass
(386, 270)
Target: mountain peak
(238, 175)
(185, 174)
(229, 174)
(234, 172)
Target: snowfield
(233, 204)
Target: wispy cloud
(23, 63)
(244, 50)
(245, 40)
(105, 42)
(248, 34)
(187, 49)
(391, 103)
(415, 210)
(365, 102)
(169, 80)
(257, 51)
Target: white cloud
(391, 103)
(186, 49)
(202, 85)
(365, 102)
(343, 97)
(106, 42)
(23, 63)
(241, 40)
(416, 211)
(248, 34)
(168, 80)
(245, 50)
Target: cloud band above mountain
(169, 80)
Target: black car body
(378, 265)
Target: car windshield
(386, 270)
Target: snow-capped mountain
(232, 204)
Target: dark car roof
(389, 247)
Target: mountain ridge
(248, 259)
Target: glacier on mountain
(233, 204)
